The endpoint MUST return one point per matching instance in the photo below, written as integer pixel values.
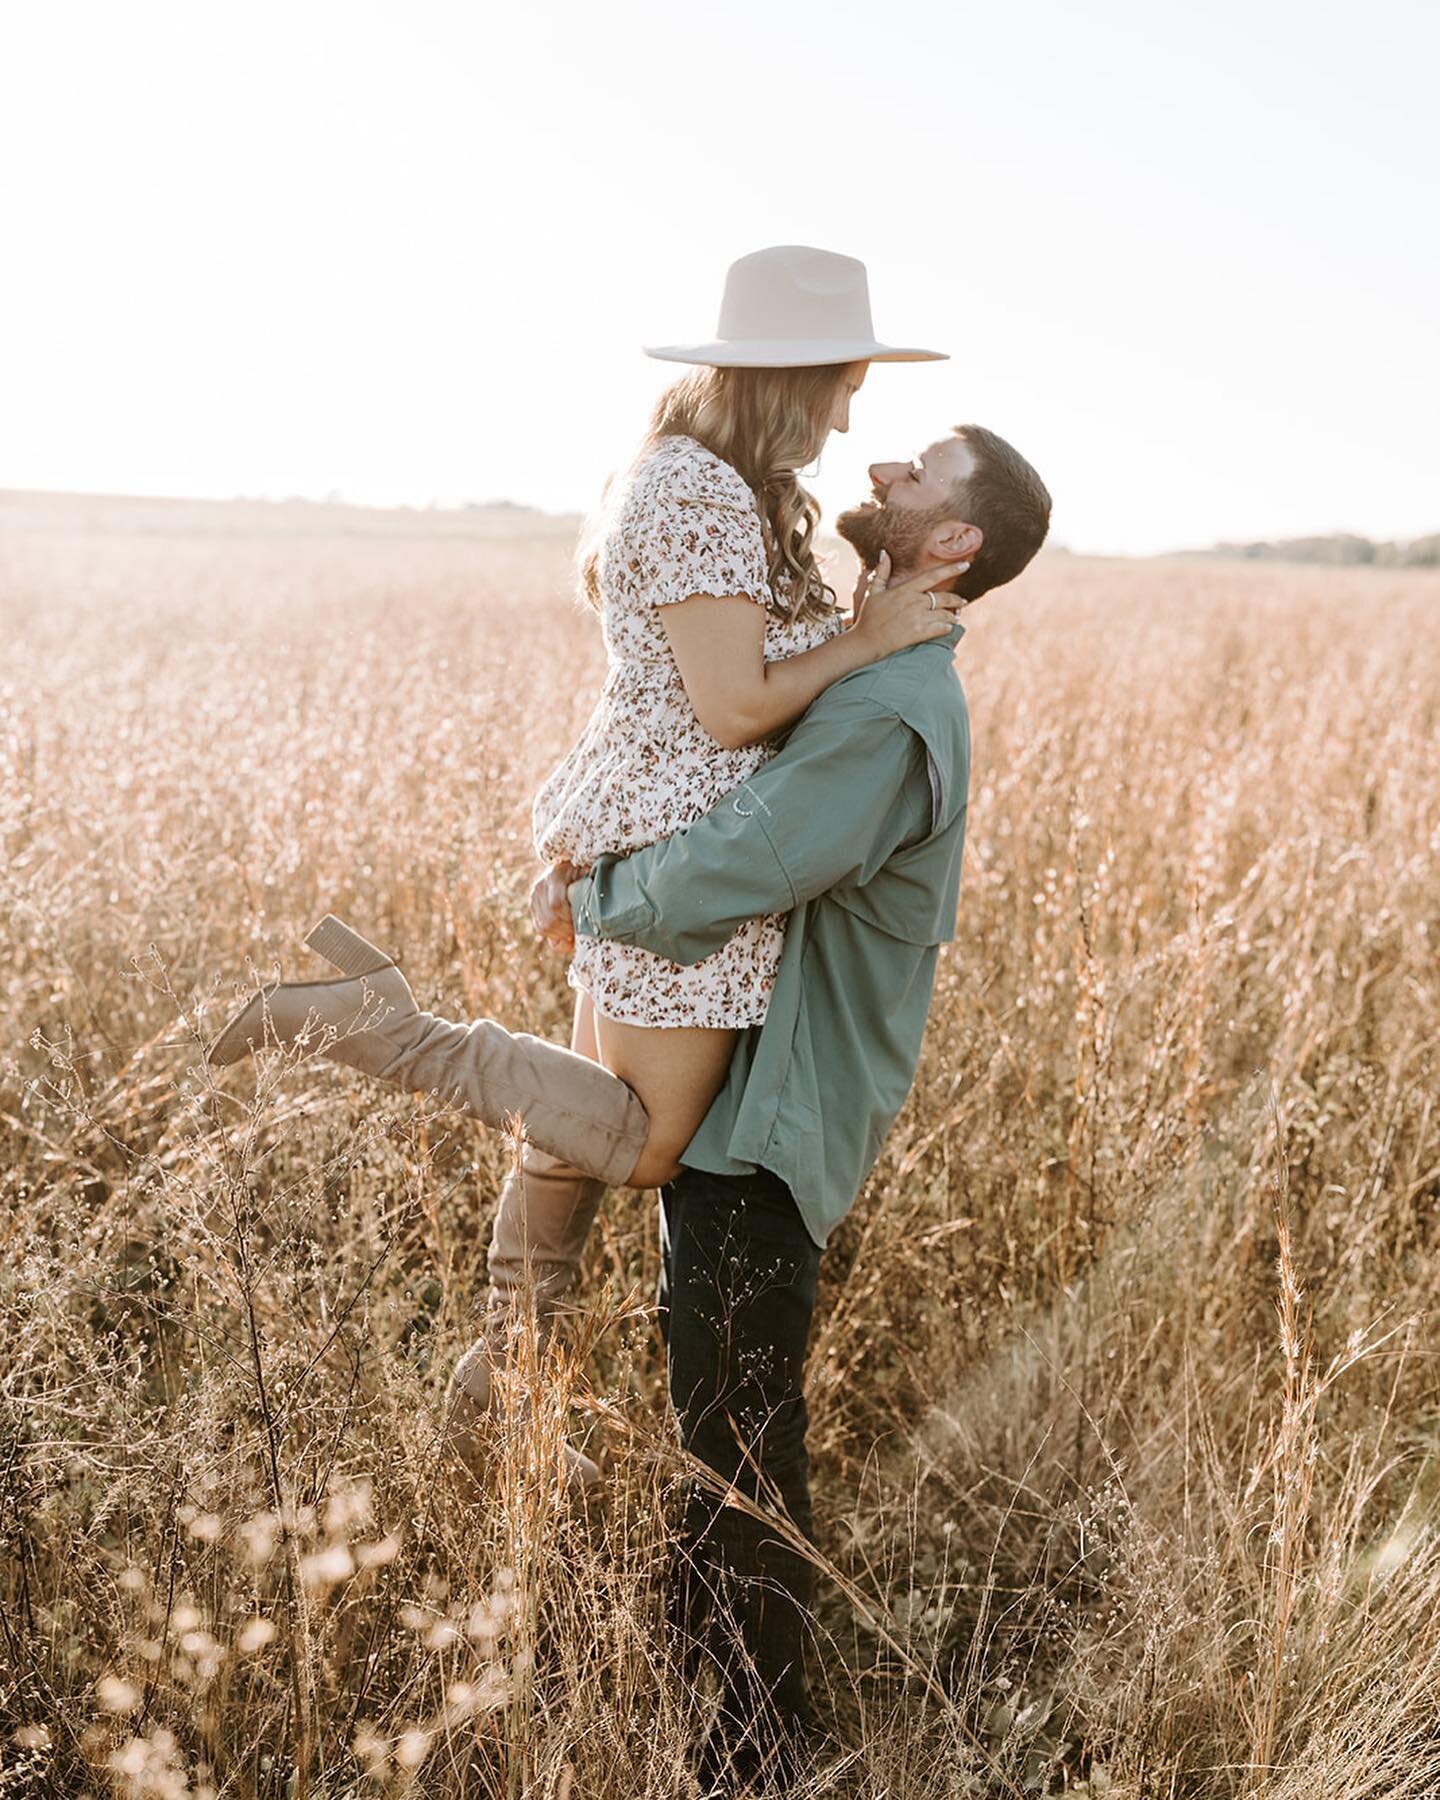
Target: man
(855, 829)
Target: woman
(720, 633)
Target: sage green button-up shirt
(856, 829)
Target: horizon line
(335, 501)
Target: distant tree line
(1344, 549)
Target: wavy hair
(767, 423)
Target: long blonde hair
(767, 423)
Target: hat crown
(793, 291)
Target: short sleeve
(696, 531)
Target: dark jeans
(737, 1293)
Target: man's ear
(954, 541)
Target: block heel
(345, 949)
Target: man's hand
(550, 905)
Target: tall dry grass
(1123, 1383)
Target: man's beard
(901, 531)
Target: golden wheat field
(1124, 1394)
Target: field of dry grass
(1123, 1387)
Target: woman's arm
(719, 644)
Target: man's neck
(899, 575)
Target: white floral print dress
(681, 522)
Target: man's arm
(848, 789)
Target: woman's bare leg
(676, 1070)
(582, 1027)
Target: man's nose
(882, 474)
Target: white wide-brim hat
(793, 307)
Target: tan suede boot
(546, 1210)
(368, 1019)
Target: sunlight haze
(1184, 258)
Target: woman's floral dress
(682, 522)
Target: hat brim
(788, 353)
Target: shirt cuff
(586, 914)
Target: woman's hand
(892, 618)
(550, 904)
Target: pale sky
(1184, 256)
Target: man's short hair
(1009, 502)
